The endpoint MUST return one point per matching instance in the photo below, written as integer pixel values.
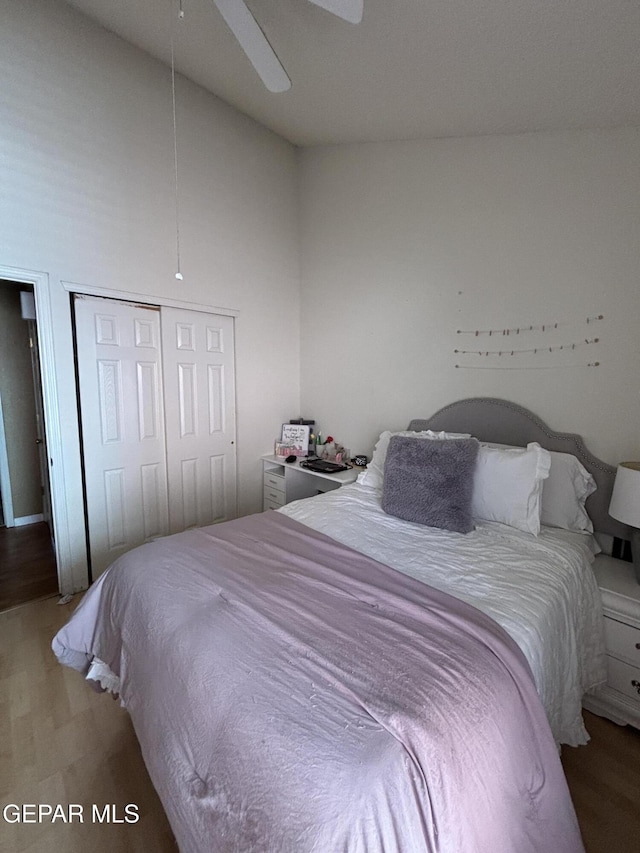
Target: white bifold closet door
(198, 364)
(157, 405)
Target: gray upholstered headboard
(507, 423)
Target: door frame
(44, 328)
(41, 438)
(145, 298)
(5, 479)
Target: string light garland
(530, 351)
(534, 351)
(547, 327)
(540, 327)
(522, 367)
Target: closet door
(121, 403)
(199, 387)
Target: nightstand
(283, 483)
(619, 699)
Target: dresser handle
(635, 683)
(637, 645)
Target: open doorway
(27, 558)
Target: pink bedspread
(291, 695)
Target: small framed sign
(297, 435)
(283, 449)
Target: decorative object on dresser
(284, 483)
(619, 698)
(297, 436)
(625, 505)
(283, 449)
(332, 451)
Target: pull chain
(179, 275)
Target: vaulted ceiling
(411, 68)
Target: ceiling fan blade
(348, 10)
(254, 43)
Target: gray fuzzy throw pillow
(430, 481)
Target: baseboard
(28, 519)
(612, 705)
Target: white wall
(86, 154)
(405, 243)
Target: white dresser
(283, 483)
(619, 700)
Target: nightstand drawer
(622, 641)
(272, 497)
(274, 481)
(621, 677)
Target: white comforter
(541, 590)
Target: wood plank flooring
(62, 743)
(27, 564)
(604, 779)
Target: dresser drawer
(268, 504)
(272, 498)
(274, 481)
(621, 677)
(623, 641)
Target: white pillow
(374, 475)
(508, 485)
(565, 492)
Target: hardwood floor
(27, 565)
(62, 743)
(604, 779)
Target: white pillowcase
(565, 492)
(508, 485)
(374, 475)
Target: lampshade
(625, 500)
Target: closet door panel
(121, 406)
(199, 389)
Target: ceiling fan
(254, 42)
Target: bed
(331, 678)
